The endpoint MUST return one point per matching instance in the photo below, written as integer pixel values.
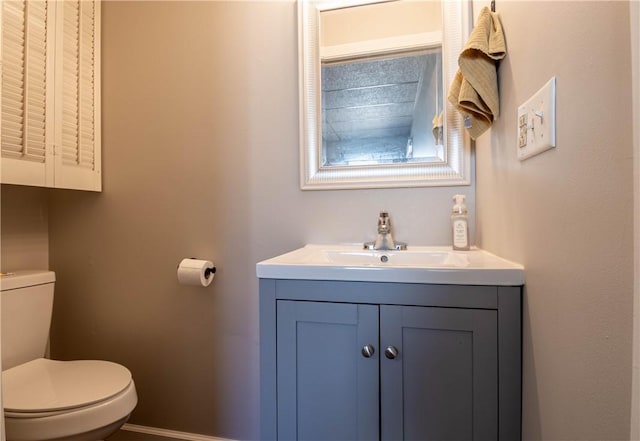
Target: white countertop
(417, 264)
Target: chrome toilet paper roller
(196, 272)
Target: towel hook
(493, 5)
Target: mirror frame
(455, 169)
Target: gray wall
(200, 151)
(24, 227)
(200, 159)
(635, 55)
(567, 214)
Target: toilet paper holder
(209, 271)
(193, 271)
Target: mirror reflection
(384, 107)
(373, 82)
(383, 110)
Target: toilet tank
(26, 306)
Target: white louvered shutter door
(26, 123)
(77, 151)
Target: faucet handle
(384, 241)
(384, 222)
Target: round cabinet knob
(391, 352)
(368, 351)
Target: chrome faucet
(384, 239)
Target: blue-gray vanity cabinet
(326, 389)
(442, 385)
(445, 364)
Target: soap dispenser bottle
(459, 224)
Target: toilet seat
(57, 399)
(45, 386)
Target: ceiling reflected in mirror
(372, 109)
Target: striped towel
(474, 91)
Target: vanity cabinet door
(443, 382)
(327, 386)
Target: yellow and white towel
(474, 91)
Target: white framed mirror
(373, 78)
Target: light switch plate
(537, 122)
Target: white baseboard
(171, 433)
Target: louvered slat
(36, 49)
(78, 132)
(87, 67)
(13, 41)
(69, 147)
(23, 79)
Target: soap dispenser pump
(460, 224)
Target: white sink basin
(418, 264)
(412, 257)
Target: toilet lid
(44, 385)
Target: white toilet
(82, 400)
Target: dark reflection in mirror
(383, 109)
